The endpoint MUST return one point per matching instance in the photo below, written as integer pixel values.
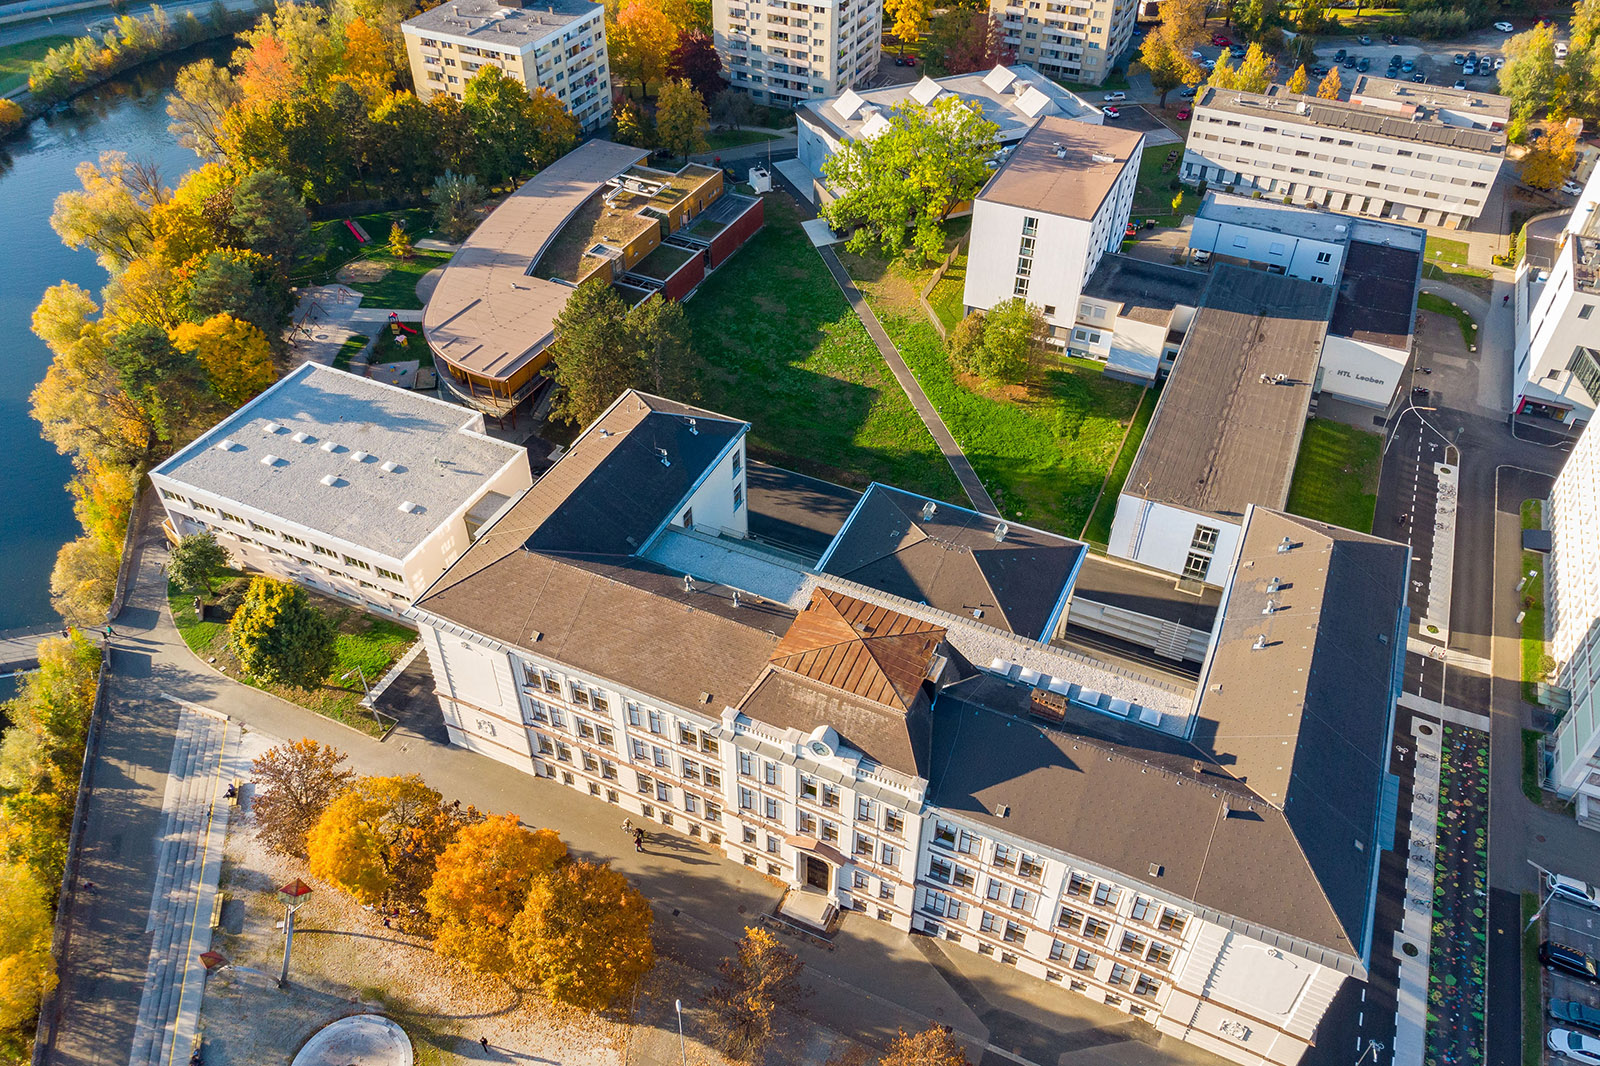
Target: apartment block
(1079, 40)
(868, 697)
(355, 488)
(1572, 629)
(1058, 203)
(788, 53)
(1557, 370)
(1413, 153)
(556, 45)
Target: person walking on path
(638, 840)
(110, 633)
(627, 826)
(483, 1041)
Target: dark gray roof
(1298, 690)
(1147, 291)
(795, 512)
(1353, 118)
(1377, 299)
(953, 560)
(1111, 581)
(1221, 438)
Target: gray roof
(795, 512)
(1276, 216)
(953, 561)
(1352, 118)
(1148, 292)
(495, 25)
(1064, 167)
(1221, 437)
(1486, 108)
(1377, 299)
(441, 461)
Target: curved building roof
(488, 314)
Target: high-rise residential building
(1074, 40)
(557, 45)
(1557, 372)
(1572, 628)
(788, 53)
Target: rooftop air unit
(225, 445)
(301, 437)
(271, 427)
(407, 507)
(270, 460)
(330, 446)
(929, 509)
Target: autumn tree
(110, 214)
(1168, 62)
(280, 637)
(1256, 19)
(1312, 17)
(298, 781)
(235, 355)
(960, 41)
(640, 40)
(1329, 87)
(1552, 157)
(1256, 72)
(1184, 22)
(1581, 71)
(1223, 75)
(27, 923)
(201, 96)
(634, 126)
(195, 561)
(481, 883)
(400, 244)
(934, 1046)
(681, 119)
(965, 342)
(761, 978)
(906, 19)
(1299, 80)
(583, 936)
(1530, 76)
(380, 840)
(900, 186)
(514, 133)
(695, 60)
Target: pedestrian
(627, 825)
(484, 1042)
(66, 634)
(109, 631)
(386, 924)
(638, 840)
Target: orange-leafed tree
(481, 882)
(297, 781)
(933, 1046)
(267, 74)
(759, 979)
(583, 936)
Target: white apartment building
(1057, 205)
(788, 53)
(1406, 153)
(1557, 369)
(1572, 626)
(1074, 40)
(355, 488)
(556, 45)
(1015, 98)
(822, 715)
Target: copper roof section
(859, 647)
(1064, 167)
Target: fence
(938, 275)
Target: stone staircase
(194, 826)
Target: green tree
(409, 140)
(1013, 342)
(1329, 87)
(966, 342)
(455, 201)
(1168, 62)
(731, 109)
(901, 185)
(603, 349)
(280, 637)
(481, 882)
(1256, 72)
(400, 243)
(635, 127)
(1256, 18)
(761, 978)
(269, 216)
(166, 384)
(513, 134)
(681, 119)
(583, 936)
(1312, 17)
(298, 780)
(1529, 77)
(237, 282)
(661, 333)
(196, 560)
(1581, 72)
(236, 356)
(1299, 80)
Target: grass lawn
(388, 349)
(779, 346)
(397, 288)
(1446, 260)
(364, 641)
(331, 244)
(349, 350)
(1042, 453)
(948, 298)
(17, 60)
(1427, 301)
(1534, 665)
(1336, 475)
(1098, 529)
(717, 140)
(1152, 198)
(1532, 985)
(1117, 79)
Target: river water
(127, 115)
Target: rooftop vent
(1275, 585)
(270, 460)
(1272, 605)
(662, 454)
(1098, 157)
(301, 437)
(330, 446)
(1000, 532)
(929, 509)
(407, 507)
(692, 429)
(1260, 642)
(226, 445)
(1284, 545)
(977, 612)
(1001, 810)
(358, 457)
(535, 635)
(1155, 869)
(332, 480)
(390, 466)
(271, 427)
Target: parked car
(1189, 92)
(1338, 57)
(1183, 115)
(1461, 57)
(1579, 1047)
(1561, 49)
(1350, 62)
(1110, 112)
(1459, 84)
(1396, 59)
(1419, 77)
(1319, 72)
(1391, 38)
(1570, 888)
(1200, 257)
(1364, 64)
(1196, 54)
(1572, 188)
(1220, 41)
(905, 61)
(1575, 1013)
(1499, 61)
(1504, 27)
(1570, 961)
(1364, 39)
(1115, 98)
(1469, 69)
(1408, 66)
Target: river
(129, 115)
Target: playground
(333, 328)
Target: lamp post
(293, 895)
(683, 1049)
(362, 675)
(1373, 1048)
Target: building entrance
(816, 873)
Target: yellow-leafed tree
(1551, 158)
(480, 884)
(583, 936)
(235, 355)
(1328, 88)
(27, 972)
(381, 840)
(760, 978)
(933, 1046)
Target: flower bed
(1456, 962)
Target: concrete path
(20, 648)
(902, 373)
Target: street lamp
(293, 895)
(683, 1049)
(362, 675)
(1373, 1047)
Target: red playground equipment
(394, 320)
(356, 231)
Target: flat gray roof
(1148, 292)
(1222, 438)
(488, 314)
(1487, 108)
(1278, 217)
(439, 461)
(1064, 167)
(495, 25)
(1342, 115)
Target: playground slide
(394, 320)
(356, 231)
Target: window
(738, 496)
(1106, 894)
(655, 722)
(887, 854)
(639, 751)
(830, 832)
(713, 812)
(608, 769)
(1095, 929)
(1585, 366)
(1069, 919)
(747, 799)
(934, 902)
(1196, 565)
(659, 755)
(995, 889)
(1030, 226)
(1171, 921)
(769, 773)
(1013, 933)
(965, 877)
(663, 792)
(863, 845)
(1159, 954)
(806, 823)
(1119, 974)
(1020, 288)
(1146, 986)
(939, 869)
(885, 890)
(773, 844)
(747, 764)
(772, 810)
(987, 922)
(1324, 257)
(749, 835)
(1004, 857)
(634, 714)
(351, 560)
(863, 809)
(1084, 960)
(1140, 911)
(1030, 866)
(646, 784)
(1132, 944)
(1586, 310)
(1078, 885)
(1021, 900)
(1058, 949)
(894, 823)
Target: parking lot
(1434, 60)
(1137, 117)
(1578, 927)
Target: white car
(1572, 188)
(1576, 1046)
(1116, 98)
(1561, 49)
(1570, 888)
(1504, 27)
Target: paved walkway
(359, 1040)
(902, 373)
(20, 648)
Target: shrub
(965, 340)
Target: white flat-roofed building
(1406, 158)
(1557, 369)
(1074, 40)
(557, 45)
(355, 488)
(788, 53)
(1572, 626)
(1056, 206)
